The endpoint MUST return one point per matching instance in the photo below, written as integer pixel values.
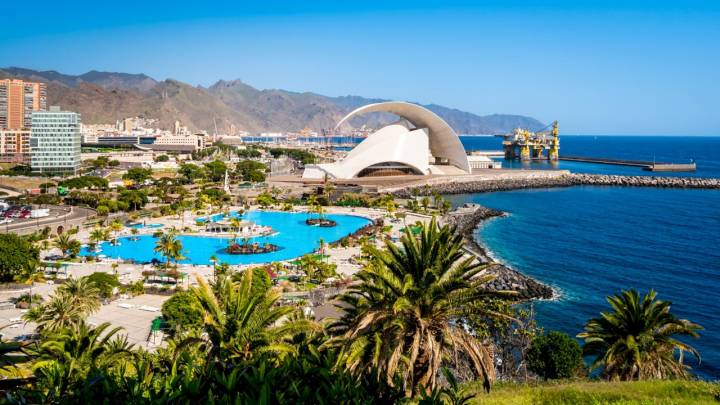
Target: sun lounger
(126, 305)
(149, 308)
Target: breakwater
(466, 219)
(467, 184)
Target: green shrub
(182, 312)
(104, 282)
(555, 355)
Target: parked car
(5, 221)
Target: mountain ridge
(103, 97)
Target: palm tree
(78, 354)
(67, 245)
(169, 246)
(235, 224)
(116, 226)
(425, 202)
(243, 321)
(404, 319)
(72, 303)
(98, 234)
(637, 340)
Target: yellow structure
(527, 145)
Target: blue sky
(599, 67)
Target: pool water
(141, 226)
(293, 237)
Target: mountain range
(103, 97)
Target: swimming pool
(293, 236)
(140, 226)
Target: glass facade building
(55, 142)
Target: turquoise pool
(140, 226)
(293, 237)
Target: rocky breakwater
(642, 181)
(532, 179)
(465, 220)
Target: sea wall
(466, 219)
(449, 185)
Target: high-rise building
(18, 100)
(55, 141)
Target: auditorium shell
(421, 143)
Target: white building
(420, 143)
(192, 142)
(55, 141)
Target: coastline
(466, 219)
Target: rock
(465, 220)
(564, 180)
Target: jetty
(646, 165)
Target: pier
(645, 165)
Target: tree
(72, 359)
(191, 172)
(169, 246)
(182, 312)
(636, 341)
(250, 170)
(70, 305)
(115, 227)
(425, 202)
(244, 322)
(82, 293)
(402, 320)
(137, 174)
(133, 198)
(265, 199)
(162, 158)
(17, 256)
(555, 355)
(215, 170)
(105, 283)
(98, 235)
(67, 245)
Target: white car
(5, 221)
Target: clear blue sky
(599, 67)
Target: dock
(645, 165)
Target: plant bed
(321, 222)
(249, 249)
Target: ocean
(590, 242)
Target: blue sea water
(293, 236)
(590, 242)
(704, 151)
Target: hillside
(103, 97)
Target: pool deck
(127, 312)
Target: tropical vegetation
(638, 340)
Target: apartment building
(18, 100)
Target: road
(59, 215)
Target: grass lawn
(583, 392)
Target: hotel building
(55, 141)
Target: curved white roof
(444, 142)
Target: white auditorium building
(420, 143)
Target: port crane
(526, 145)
